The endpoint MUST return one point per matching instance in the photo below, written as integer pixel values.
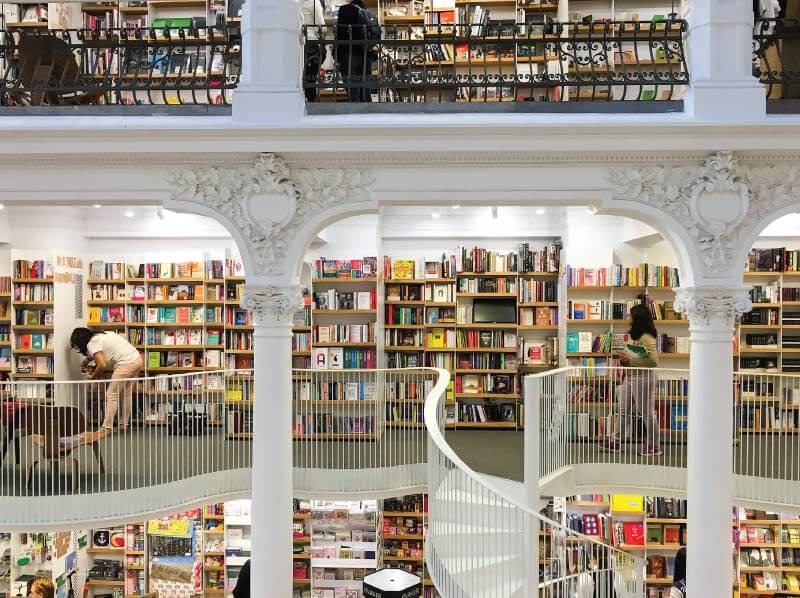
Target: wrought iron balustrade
(120, 66)
(776, 57)
(496, 62)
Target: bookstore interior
(488, 293)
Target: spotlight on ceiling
(129, 214)
(540, 211)
(434, 214)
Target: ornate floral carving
(772, 188)
(680, 193)
(272, 305)
(295, 196)
(707, 307)
(713, 232)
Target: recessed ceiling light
(434, 214)
(455, 206)
(129, 214)
(98, 205)
(540, 211)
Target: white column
(711, 312)
(270, 89)
(531, 440)
(271, 562)
(720, 47)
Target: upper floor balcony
(189, 57)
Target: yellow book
(94, 315)
(234, 391)
(437, 338)
(403, 269)
(627, 503)
(451, 391)
(794, 584)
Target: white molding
(386, 159)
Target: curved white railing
(484, 542)
(384, 454)
(175, 441)
(186, 440)
(580, 408)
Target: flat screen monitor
(494, 311)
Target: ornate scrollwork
(719, 203)
(269, 202)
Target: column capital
(272, 305)
(712, 308)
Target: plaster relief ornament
(269, 203)
(710, 201)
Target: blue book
(680, 417)
(572, 342)
(37, 342)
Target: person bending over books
(636, 393)
(109, 351)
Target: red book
(634, 533)
(672, 534)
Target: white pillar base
(253, 103)
(733, 101)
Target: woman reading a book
(109, 351)
(636, 393)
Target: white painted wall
(591, 240)
(783, 232)
(351, 238)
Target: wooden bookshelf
(6, 312)
(31, 309)
(603, 298)
(404, 553)
(444, 339)
(336, 324)
(483, 365)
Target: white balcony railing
(581, 410)
(356, 433)
(360, 433)
(185, 444)
(483, 541)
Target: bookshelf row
(135, 558)
(181, 320)
(182, 317)
(765, 545)
(768, 337)
(335, 543)
(193, 15)
(486, 316)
